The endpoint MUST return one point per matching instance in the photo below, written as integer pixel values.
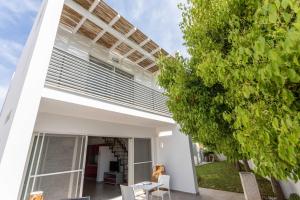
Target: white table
(146, 186)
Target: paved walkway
(112, 192)
(210, 194)
(207, 194)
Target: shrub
(294, 196)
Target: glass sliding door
(142, 160)
(56, 166)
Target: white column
(20, 109)
(130, 161)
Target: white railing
(73, 74)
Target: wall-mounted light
(165, 133)
(115, 59)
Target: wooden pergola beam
(150, 66)
(119, 42)
(155, 51)
(91, 9)
(107, 28)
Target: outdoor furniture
(250, 186)
(127, 193)
(38, 195)
(147, 187)
(164, 180)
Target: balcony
(72, 74)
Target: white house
(84, 94)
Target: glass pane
(55, 187)
(75, 184)
(27, 188)
(101, 63)
(124, 74)
(35, 138)
(37, 149)
(142, 172)
(36, 145)
(57, 154)
(79, 153)
(142, 150)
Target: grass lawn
(224, 176)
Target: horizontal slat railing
(73, 74)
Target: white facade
(31, 107)
(22, 102)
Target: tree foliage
(239, 92)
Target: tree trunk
(238, 166)
(246, 164)
(277, 189)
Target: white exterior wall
(175, 152)
(290, 187)
(20, 108)
(104, 157)
(19, 117)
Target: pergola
(99, 22)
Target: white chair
(165, 181)
(128, 193)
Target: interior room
(106, 167)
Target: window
(101, 63)
(110, 67)
(142, 160)
(124, 74)
(56, 165)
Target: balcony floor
(110, 192)
(73, 105)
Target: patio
(112, 192)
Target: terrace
(101, 81)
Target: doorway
(70, 166)
(106, 167)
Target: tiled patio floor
(111, 192)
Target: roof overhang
(103, 25)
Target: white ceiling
(64, 108)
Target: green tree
(196, 107)
(240, 88)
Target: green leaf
(293, 76)
(297, 25)
(287, 17)
(260, 45)
(246, 92)
(277, 3)
(275, 123)
(284, 3)
(272, 13)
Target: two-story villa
(83, 107)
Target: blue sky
(159, 19)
